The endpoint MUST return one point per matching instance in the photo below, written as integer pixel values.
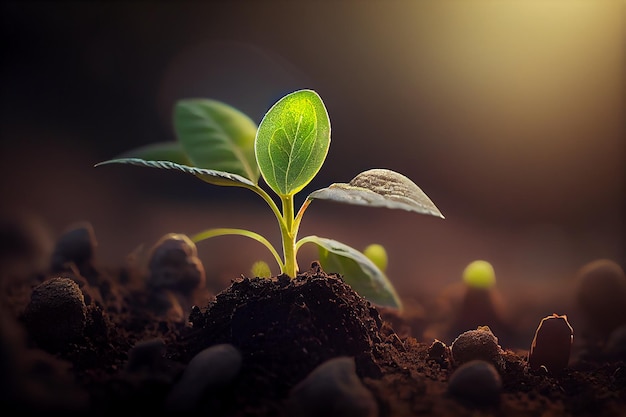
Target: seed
(552, 344)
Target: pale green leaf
(357, 270)
(208, 175)
(292, 141)
(161, 151)
(380, 188)
(217, 136)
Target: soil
(119, 342)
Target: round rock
(213, 367)
(56, 314)
(332, 389)
(477, 382)
(174, 265)
(479, 344)
(601, 295)
(76, 245)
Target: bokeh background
(508, 114)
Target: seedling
(222, 146)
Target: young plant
(222, 146)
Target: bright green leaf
(217, 136)
(292, 141)
(208, 175)
(380, 188)
(357, 270)
(161, 151)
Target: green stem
(298, 219)
(288, 265)
(241, 232)
(306, 239)
(295, 227)
(289, 237)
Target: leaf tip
(111, 161)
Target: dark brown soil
(132, 343)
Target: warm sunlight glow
(530, 90)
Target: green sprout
(260, 269)
(479, 274)
(222, 146)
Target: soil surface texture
(83, 337)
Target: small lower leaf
(208, 175)
(357, 270)
(380, 188)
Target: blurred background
(508, 114)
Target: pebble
(477, 382)
(76, 245)
(616, 344)
(28, 245)
(332, 389)
(601, 295)
(213, 367)
(146, 355)
(477, 344)
(174, 265)
(56, 314)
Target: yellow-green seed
(377, 254)
(479, 274)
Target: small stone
(56, 314)
(552, 344)
(213, 367)
(77, 245)
(25, 245)
(332, 389)
(174, 265)
(616, 344)
(601, 295)
(146, 355)
(477, 382)
(477, 344)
